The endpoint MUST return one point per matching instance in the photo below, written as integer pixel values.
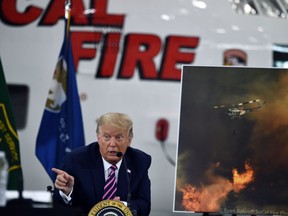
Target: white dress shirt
(107, 168)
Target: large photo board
(232, 154)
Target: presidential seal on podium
(110, 208)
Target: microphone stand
(133, 211)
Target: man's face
(112, 140)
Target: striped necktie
(110, 184)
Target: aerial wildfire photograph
(232, 142)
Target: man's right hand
(64, 181)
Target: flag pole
(67, 20)
(61, 128)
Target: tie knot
(113, 167)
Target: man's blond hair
(117, 120)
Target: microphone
(50, 189)
(120, 154)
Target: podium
(111, 207)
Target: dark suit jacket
(86, 166)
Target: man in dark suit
(81, 180)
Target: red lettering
(109, 55)
(80, 38)
(56, 11)
(10, 15)
(101, 17)
(78, 16)
(173, 56)
(140, 50)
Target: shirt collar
(107, 165)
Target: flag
(9, 142)
(61, 129)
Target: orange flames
(208, 198)
(241, 180)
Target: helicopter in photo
(240, 109)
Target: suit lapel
(122, 183)
(97, 173)
(122, 187)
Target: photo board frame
(232, 152)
